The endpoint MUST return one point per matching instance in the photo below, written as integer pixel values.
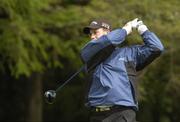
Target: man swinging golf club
(112, 94)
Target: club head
(50, 96)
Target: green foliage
(24, 42)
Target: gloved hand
(141, 27)
(131, 24)
(134, 23)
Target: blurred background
(40, 43)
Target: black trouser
(114, 115)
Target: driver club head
(50, 96)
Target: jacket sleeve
(145, 54)
(93, 47)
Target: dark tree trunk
(35, 99)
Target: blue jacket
(114, 79)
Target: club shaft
(68, 80)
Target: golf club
(50, 95)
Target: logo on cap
(94, 22)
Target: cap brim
(87, 29)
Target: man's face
(96, 33)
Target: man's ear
(106, 31)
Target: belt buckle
(102, 108)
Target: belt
(108, 108)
